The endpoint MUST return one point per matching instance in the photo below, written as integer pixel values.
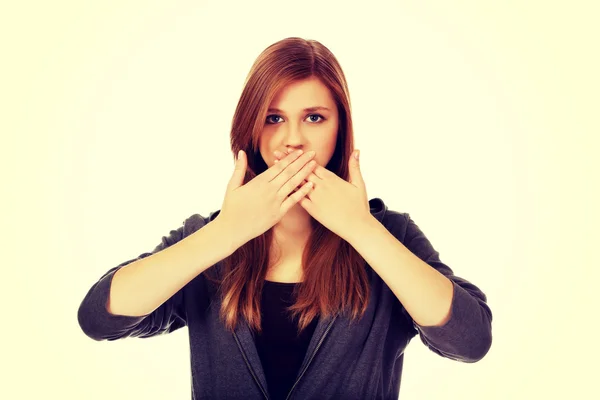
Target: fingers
(273, 172)
(288, 167)
(298, 179)
(279, 155)
(295, 197)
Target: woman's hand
(337, 204)
(261, 203)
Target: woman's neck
(291, 233)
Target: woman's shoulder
(387, 216)
(196, 221)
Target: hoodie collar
(377, 208)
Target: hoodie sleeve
(467, 335)
(97, 323)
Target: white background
(478, 118)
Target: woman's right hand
(255, 207)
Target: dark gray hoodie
(359, 361)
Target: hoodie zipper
(250, 368)
(311, 357)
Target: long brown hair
(335, 278)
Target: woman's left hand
(337, 204)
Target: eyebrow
(309, 109)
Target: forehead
(306, 93)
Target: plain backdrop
(479, 118)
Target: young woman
(299, 287)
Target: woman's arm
(143, 297)
(140, 287)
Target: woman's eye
(270, 121)
(272, 116)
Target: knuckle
(289, 174)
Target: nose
(293, 137)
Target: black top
(280, 348)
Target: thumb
(355, 174)
(239, 172)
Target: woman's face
(289, 125)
